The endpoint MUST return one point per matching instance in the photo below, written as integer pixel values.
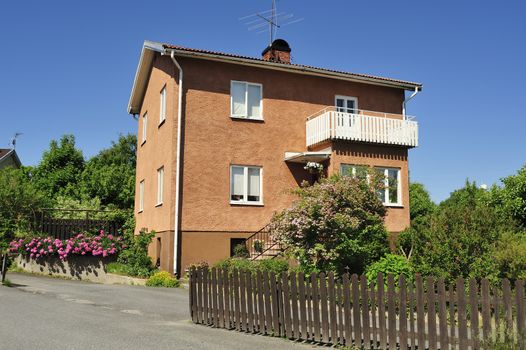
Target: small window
(141, 196)
(144, 126)
(162, 114)
(246, 100)
(245, 185)
(160, 185)
(346, 104)
(390, 193)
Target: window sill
(250, 204)
(158, 205)
(256, 120)
(393, 205)
(161, 123)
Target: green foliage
(162, 279)
(459, 238)
(116, 268)
(335, 224)
(511, 197)
(390, 264)
(135, 255)
(275, 265)
(59, 171)
(19, 200)
(110, 175)
(510, 255)
(241, 251)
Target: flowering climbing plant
(85, 245)
(313, 167)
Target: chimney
(278, 51)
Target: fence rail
(387, 314)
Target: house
(8, 157)
(223, 137)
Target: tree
(58, 173)
(335, 225)
(511, 198)
(110, 175)
(460, 238)
(19, 200)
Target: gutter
(417, 90)
(176, 256)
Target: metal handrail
(265, 236)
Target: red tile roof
(285, 65)
(3, 152)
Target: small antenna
(271, 18)
(12, 142)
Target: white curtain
(254, 101)
(253, 182)
(237, 181)
(238, 92)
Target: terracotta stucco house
(223, 137)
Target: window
(160, 185)
(162, 114)
(246, 185)
(141, 196)
(390, 193)
(144, 126)
(246, 100)
(346, 104)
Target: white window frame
(162, 107)
(387, 201)
(245, 115)
(160, 185)
(141, 196)
(144, 127)
(355, 99)
(245, 200)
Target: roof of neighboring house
(150, 48)
(6, 153)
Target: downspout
(177, 164)
(417, 90)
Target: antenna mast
(272, 21)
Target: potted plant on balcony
(313, 167)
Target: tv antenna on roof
(271, 18)
(12, 142)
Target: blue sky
(68, 66)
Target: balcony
(362, 126)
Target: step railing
(261, 243)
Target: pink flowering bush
(99, 245)
(335, 225)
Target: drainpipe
(407, 100)
(178, 165)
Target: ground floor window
(246, 184)
(390, 193)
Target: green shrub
(335, 225)
(276, 265)
(135, 255)
(162, 279)
(241, 251)
(390, 264)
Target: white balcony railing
(362, 126)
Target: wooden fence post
(366, 313)
(294, 302)
(303, 306)
(420, 321)
(403, 312)
(4, 266)
(381, 311)
(315, 305)
(462, 321)
(521, 326)
(442, 314)
(431, 314)
(324, 308)
(391, 312)
(347, 310)
(474, 313)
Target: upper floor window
(246, 100)
(162, 109)
(246, 185)
(160, 185)
(390, 193)
(346, 104)
(141, 196)
(144, 127)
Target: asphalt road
(46, 313)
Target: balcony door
(346, 104)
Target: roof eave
(148, 51)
